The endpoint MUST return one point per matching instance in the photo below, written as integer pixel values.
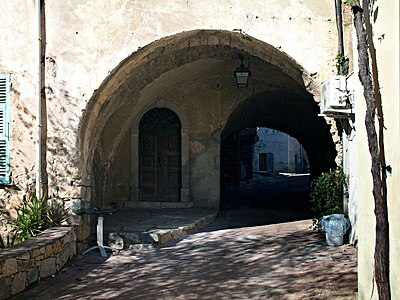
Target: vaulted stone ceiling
(204, 60)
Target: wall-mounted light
(242, 74)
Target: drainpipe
(38, 101)
(339, 24)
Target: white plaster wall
(387, 50)
(283, 147)
(18, 42)
(15, 59)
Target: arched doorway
(160, 156)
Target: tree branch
(381, 255)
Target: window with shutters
(4, 128)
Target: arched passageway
(277, 198)
(191, 74)
(293, 113)
(264, 178)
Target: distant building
(276, 152)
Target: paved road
(281, 261)
(271, 199)
(238, 256)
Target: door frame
(159, 160)
(134, 194)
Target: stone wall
(35, 258)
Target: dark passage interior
(264, 178)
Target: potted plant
(326, 199)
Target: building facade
(276, 152)
(108, 68)
(128, 103)
(382, 25)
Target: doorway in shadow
(257, 191)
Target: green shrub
(9, 241)
(327, 193)
(32, 217)
(342, 65)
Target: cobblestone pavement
(280, 261)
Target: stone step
(137, 204)
(122, 238)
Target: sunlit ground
(281, 261)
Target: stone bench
(35, 258)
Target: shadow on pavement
(282, 261)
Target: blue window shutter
(4, 128)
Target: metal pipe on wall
(339, 24)
(38, 188)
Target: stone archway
(192, 71)
(293, 113)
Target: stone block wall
(35, 258)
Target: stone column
(134, 185)
(185, 188)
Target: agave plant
(57, 214)
(32, 217)
(8, 242)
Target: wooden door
(160, 156)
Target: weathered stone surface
(10, 267)
(176, 233)
(24, 256)
(5, 289)
(23, 265)
(72, 249)
(74, 206)
(32, 275)
(70, 192)
(190, 226)
(141, 247)
(57, 247)
(115, 241)
(73, 235)
(83, 231)
(48, 267)
(196, 147)
(49, 251)
(161, 236)
(67, 239)
(26, 264)
(19, 283)
(80, 247)
(131, 237)
(63, 257)
(35, 253)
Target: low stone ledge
(163, 235)
(35, 258)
